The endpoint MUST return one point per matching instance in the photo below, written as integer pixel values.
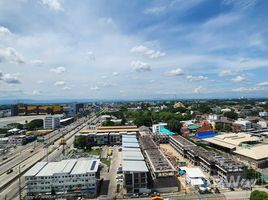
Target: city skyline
(52, 49)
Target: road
(55, 151)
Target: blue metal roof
(205, 134)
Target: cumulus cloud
(263, 84)
(91, 56)
(58, 70)
(147, 51)
(11, 55)
(115, 73)
(175, 72)
(140, 66)
(95, 88)
(106, 20)
(226, 73)
(198, 90)
(66, 88)
(36, 92)
(40, 82)
(196, 78)
(59, 83)
(4, 31)
(239, 78)
(53, 4)
(36, 62)
(9, 78)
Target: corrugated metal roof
(72, 166)
(132, 155)
(131, 145)
(129, 140)
(134, 166)
(35, 169)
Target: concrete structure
(51, 122)
(162, 173)
(17, 139)
(108, 135)
(263, 114)
(22, 109)
(65, 176)
(133, 166)
(211, 162)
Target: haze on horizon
(133, 49)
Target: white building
(263, 124)
(213, 117)
(51, 122)
(195, 177)
(263, 114)
(77, 175)
(157, 127)
(245, 123)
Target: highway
(54, 151)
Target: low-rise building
(51, 122)
(66, 176)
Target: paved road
(12, 189)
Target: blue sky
(134, 49)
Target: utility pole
(19, 184)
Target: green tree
(80, 142)
(231, 115)
(34, 124)
(219, 127)
(258, 195)
(15, 125)
(108, 123)
(174, 125)
(228, 128)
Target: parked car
(9, 171)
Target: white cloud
(96, 88)
(36, 62)
(36, 92)
(40, 82)
(248, 89)
(226, 73)
(156, 10)
(239, 78)
(104, 77)
(91, 56)
(196, 78)
(4, 31)
(53, 4)
(140, 66)
(59, 83)
(198, 90)
(66, 88)
(175, 72)
(58, 70)
(241, 4)
(115, 73)
(263, 84)
(147, 51)
(11, 55)
(106, 20)
(9, 78)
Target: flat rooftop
(109, 130)
(132, 155)
(134, 166)
(71, 166)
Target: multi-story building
(162, 173)
(246, 125)
(133, 166)
(211, 162)
(51, 122)
(23, 110)
(66, 176)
